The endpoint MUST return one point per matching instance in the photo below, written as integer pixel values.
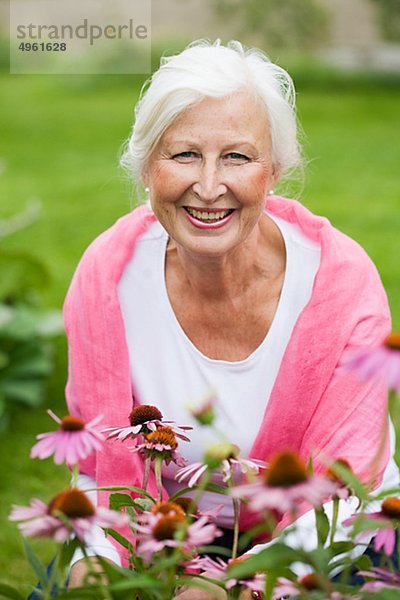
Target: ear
(276, 174)
(145, 177)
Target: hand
(81, 570)
(246, 594)
(213, 592)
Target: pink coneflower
(194, 512)
(160, 444)
(219, 569)
(143, 420)
(226, 458)
(205, 412)
(166, 527)
(382, 362)
(284, 485)
(74, 441)
(69, 512)
(389, 515)
(383, 579)
(343, 491)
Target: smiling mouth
(208, 216)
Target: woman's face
(210, 172)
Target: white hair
(206, 69)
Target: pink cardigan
(315, 407)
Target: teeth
(208, 216)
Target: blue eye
(187, 154)
(237, 156)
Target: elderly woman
(218, 283)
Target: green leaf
(217, 489)
(386, 494)
(118, 501)
(275, 556)
(384, 594)
(121, 540)
(67, 552)
(35, 563)
(365, 524)
(350, 479)
(9, 592)
(323, 526)
(136, 582)
(143, 503)
(217, 549)
(340, 547)
(363, 562)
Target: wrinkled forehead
(239, 117)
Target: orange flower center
(142, 414)
(184, 503)
(285, 469)
(72, 503)
(168, 508)
(163, 435)
(166, 527)
(72, 424)
(391, 507)
(393, 341)
(311, 581)
(342, 462)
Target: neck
(228, 276)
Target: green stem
(157, 472)
(335, 516)
(75, 475)
(146, 472)
(235, 503)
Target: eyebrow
(185, 142)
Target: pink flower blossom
(389, 516)
(205, 412)
(383, 579)
(143, 420)
(343, 492)
(169, 529)
(72, 442)
(383, 362)
(226, 458)
(69, 512)
(303, 585)
(160, 443)
(219, 569)
(284, 485)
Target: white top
(170, 372)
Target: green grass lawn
(60, 142)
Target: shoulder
(122, 234)
(339, 252)
(102, 263)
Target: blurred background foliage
(279, 24)
(60, 141)
(389, 18)
(26, 356)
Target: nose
(209, 185)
